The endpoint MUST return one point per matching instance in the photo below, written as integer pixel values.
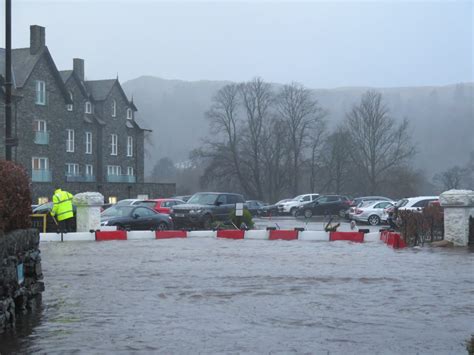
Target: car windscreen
(402, 203)
(203, 199)
(117, 211)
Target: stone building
(81, 135)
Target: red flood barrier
(170, 234)
(110, 235)
(231, 234)
(356, 237)
(395, 241)
(283, 234)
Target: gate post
(458, 207)
(88, 206)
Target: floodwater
(246, 296)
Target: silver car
(371, 212)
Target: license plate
(179, 214)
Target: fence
(471, 233)
(418, 227)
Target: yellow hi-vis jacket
(62, 205)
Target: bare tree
(377, 142)
(302, 117)
(451, 178)
(256, 98)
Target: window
(422, 203)
(130, 171)
(88, 142)
(306, 198)
(129, 113)
(114, 144)
(70, 141)
(70, 106)
(72, 169)
(40, 92)
(222, 199)
(88, 107)
(114, 170)
(40, 163)
(129, 146)
(382, 204)
(89, 170)
(143, 212)
(114, 108)
(39, 125)
(113, 199)
(333, 199)
(232, 199)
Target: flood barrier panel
(110, 235)
(231, 234)
(170, 234)
(280, 234)
(356, 237)
(317, 236)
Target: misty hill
(441, 117)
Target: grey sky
(320, 44)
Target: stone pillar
(458, 206)
(88, 206)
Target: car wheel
(207, 222)
(308, 213)
(294, 212)
(162, 226)
(373, 220)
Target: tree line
(272, 142)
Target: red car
(161, 205)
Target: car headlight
(104, 223)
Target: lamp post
(9, 141)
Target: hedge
(15, 197)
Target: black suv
(325, 205)
(203, 208)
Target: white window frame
(40, 126)
(88, 107)
(114, 108)
(72, 169)
(114, 170)
(40, 159)
(114, 144)
(88, 142)
(129, 146)
(130, 171)
(70, 141)
(70, 107)
(40, 92)
(89, 170)
(129, 114)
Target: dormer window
(88, 107)
(129, 114)
(70, 106)
(114, 108)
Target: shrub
(246, 218)
(418, 227)
(15, 197)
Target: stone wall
(458, 207)
(19, 250)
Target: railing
(41, 176)
(122, 178)
(41, 137)
(80, 178)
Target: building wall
(118, 190)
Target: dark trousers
(65, 226)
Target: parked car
(161, 205)
(410, 204)
(291, 207)
(205, 207)
(371, 212)
(135, 218)
(255, 207)
(128, 202)
(184, 198)
(272, 210)
(359, 201)
(325, 205)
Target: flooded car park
(249, 296)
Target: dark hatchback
(205, 207)
(325, 205)
(135, 218)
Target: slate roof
(100, 89)
(23, 64)
(141, 124)
(65, 74)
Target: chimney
(37, 39)
(78, 67)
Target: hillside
(442, 117)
